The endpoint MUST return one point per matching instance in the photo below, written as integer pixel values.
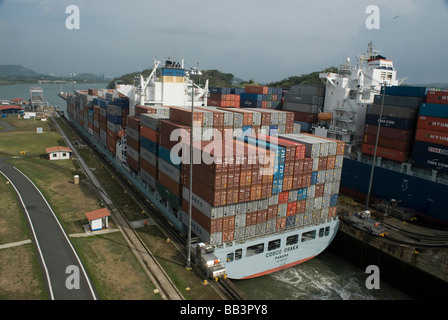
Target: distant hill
(9, 70)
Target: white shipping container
(273, 199)
(282, 210)
(216, 238)
(271, 226)
(260, 229)
(229, 210)
(240, 220)
(241, 208)
(250, 231)
(169, 170)
(317, 203)
(239, 233)
(263, 204)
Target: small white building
(59, 153)
(98, 219)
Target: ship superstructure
(348, 94)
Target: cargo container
(393, 111)
(390, 122)
(432, 123)
(437, 97)
(392, 133)
(434, 110)
(411, 102)
(406, 91)
(431, 136)
(430, 149)
(391, 154)
(430, 162)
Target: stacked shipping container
(306, 101)
(255, 184)
(248, 97)
(398, 121)
(261, 97)
(431, 139)
(224, 97)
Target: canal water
(326, 277)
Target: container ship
(261, 192)
(402, 129)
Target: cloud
(267, 40)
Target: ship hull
(287, 255)
(295, 245)
(426, 197)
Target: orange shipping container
(385, 152)
(170, 184)
(149, 134)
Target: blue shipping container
(405, 91)
(430, 149)
(149, 145)
(314, 177)
(172, 159)
(246, 103)
(302, 194)
(434, 110)
(114, 119)
(390, 122)
(430, 162)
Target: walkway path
(57, 256)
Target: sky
(263, 40)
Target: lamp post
(376, 146)
(191, 181)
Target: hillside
(9, 70)
(219, 79)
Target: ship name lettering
(291, 248)
(273, 253)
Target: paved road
(54, 249)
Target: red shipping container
(432, 136)
(283, 197)
(228, 223)
(149, 134)
(391, 154)
(301, 206)
(170, 184)
(134, 123)
(319, 191)
(251, 218)
(262, 216)
(437, 97)
(133, 164)
(400, 145)
(148, 167)
(183, 115)
(287, 183)
(432, 123)
(257, 89)
(292, 208)
(272, 212)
